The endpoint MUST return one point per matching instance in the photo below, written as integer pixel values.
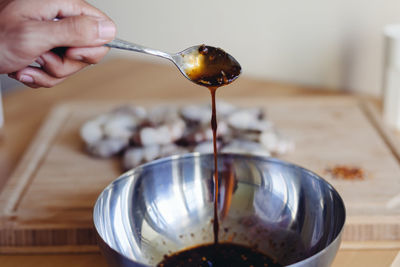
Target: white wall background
(336, 44)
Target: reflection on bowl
(287, 212)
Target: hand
(37, 30)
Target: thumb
(78, 31)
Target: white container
(391, 76)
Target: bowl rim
(130, 173)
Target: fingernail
(26, 78)
(40, 61)
(106, 30)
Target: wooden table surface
(126, 80)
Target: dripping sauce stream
(214, 126)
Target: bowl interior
(165, 206)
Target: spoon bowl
(204, 65)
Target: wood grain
(396, 261)
(121, 80)
(49, 199)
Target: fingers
(78, 31)
(35, 77)
(58, 67)
(55, 9)
(78, 7)
(54, 69)
(73, 61)
(89, 55)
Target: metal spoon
(201, 64)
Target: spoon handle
(121, 44)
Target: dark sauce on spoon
(217, 69)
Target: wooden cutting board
(47, 203)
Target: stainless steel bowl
(165, 206)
